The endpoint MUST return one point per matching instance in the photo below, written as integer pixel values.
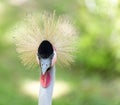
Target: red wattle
(45, 79)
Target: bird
(44, 40)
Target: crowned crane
(47, 39)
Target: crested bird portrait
(59, 52)
(43, 41)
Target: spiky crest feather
(35, 29)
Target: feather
(34, 29)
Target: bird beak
(45, 64)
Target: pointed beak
(45, 64)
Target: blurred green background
(94, 76)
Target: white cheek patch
(54, 58)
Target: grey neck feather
(45, 94)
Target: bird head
(58, 33)
(46, 56)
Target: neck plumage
(45, 94)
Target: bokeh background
(94, 76)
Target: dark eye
(52, 56)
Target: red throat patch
(45, 79)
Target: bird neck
(45, 94)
